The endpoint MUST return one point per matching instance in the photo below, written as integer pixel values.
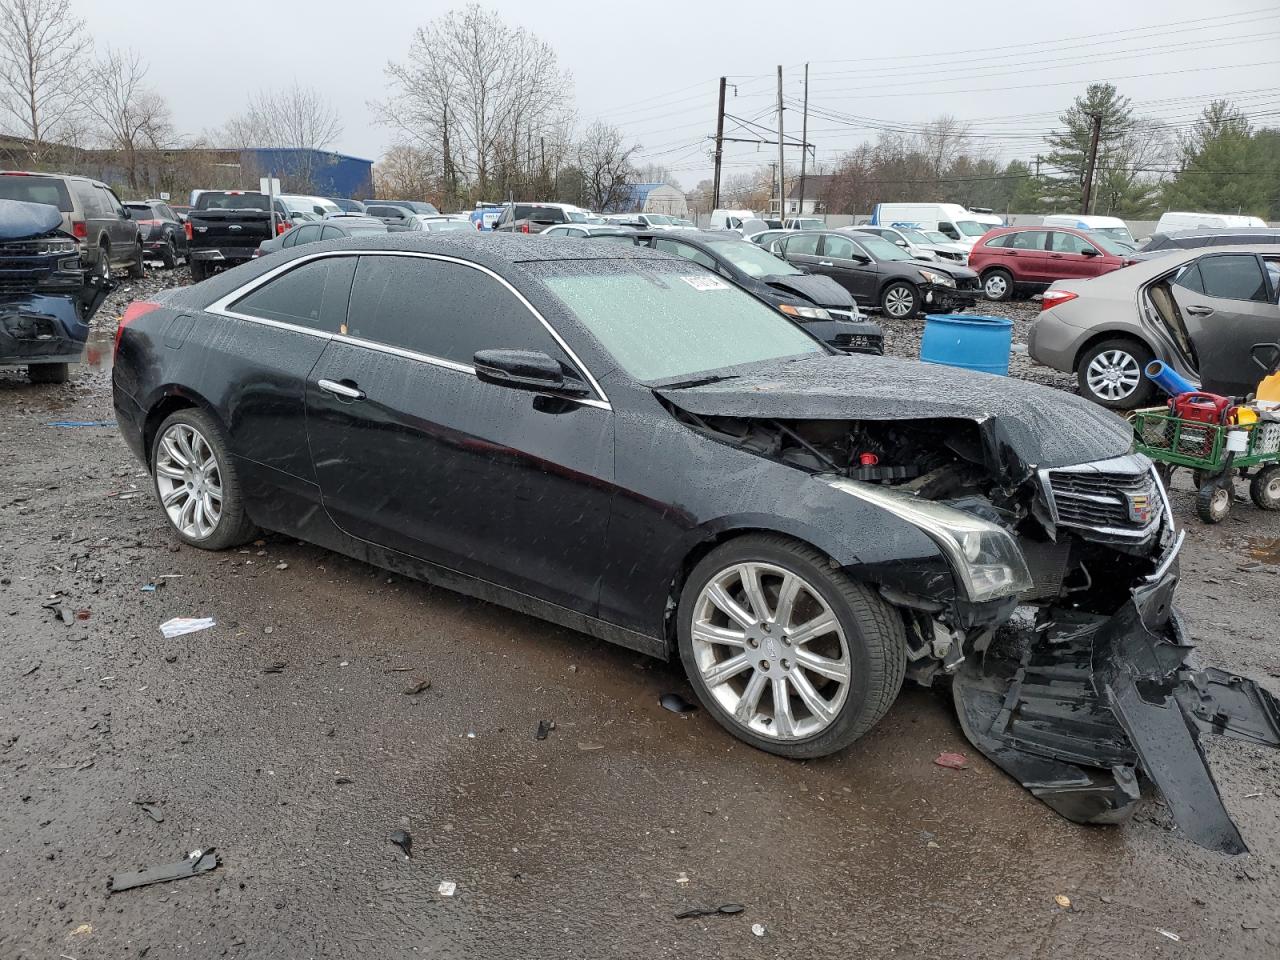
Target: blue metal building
(330, 174)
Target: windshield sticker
(706, 282)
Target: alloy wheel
(771, 651)
(189, 481)
(995, 286)
(1113, 375)
(899, 302)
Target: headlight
(937, 279)
(983, 555)
(804, 313)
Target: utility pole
(1093, 160)
(715, 183)
(804, 139)
(782, 176)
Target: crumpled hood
(950, 268)
(822, 291)
(1024, 426)
(20, 220)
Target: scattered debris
(398, 670)
(588, 745)
(682, 878)
(180, 625)
(282, 566)
(447, 888)
(277, 667)
(1168, 933)
(154, 585)
(1063, 901)
(31, 669)
(403, 840)
(343, 781)
(84, 613)
(544, 727)
(81, 423)
(952, 761)
(726, 908)
(420, 687)
(151, 810)
(198, 861)
(758, 929)
(676, 704)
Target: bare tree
(42, 71)
(130, 117)
(293, 118)
(606, 165)
(407, 171)
(486, 98)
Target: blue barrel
(968, 340)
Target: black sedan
(329, 229)
(163, 233)
(817, 303)
(881, 274)
(625, 443)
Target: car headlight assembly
(937, 279)
(984, 556)
(804, 313)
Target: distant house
(654, 198)
(815, 195)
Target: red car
(1028, 259)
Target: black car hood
(20, 220)
(1024, 426)
(822, 291)
(954, 271)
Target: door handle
(338, 389)
(1198, 311)
(825, 263)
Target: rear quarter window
(313, 295)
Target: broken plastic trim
(1093, 700)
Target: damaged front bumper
(1078, 705)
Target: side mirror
(125, 212)
(901, 243)
(525, 370)
(1089, 252)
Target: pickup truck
(226, 227)
(529, 218)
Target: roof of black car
(490, 249)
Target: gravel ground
(286, 738)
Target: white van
(1193, 221)
(1112, 227)
(729, 219)
(963, 226)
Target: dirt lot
(285, 738)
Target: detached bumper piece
(1091, 701)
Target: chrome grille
(1119, 497)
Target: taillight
(282, 227)
(79, 229)
(1053, 298)
(187, 227)
(139, 308)
(524, 228)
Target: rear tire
(169, 255)
(49, 372)
(997, 285)
(1264, 488)
(900, 300)
(837, 681)
(136, 270)
(1213, 499)
(1110, 374)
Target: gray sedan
(1200, 311)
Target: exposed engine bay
(1082, 678)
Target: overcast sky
(651, 68)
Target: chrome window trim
(222, 307)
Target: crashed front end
(1068, 663)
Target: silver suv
(91, 212)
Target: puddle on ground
(99, 349)
(1266, 550)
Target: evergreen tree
(1225, 167)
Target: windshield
(883, 249)
(660, 219)
(972, 228)
(936, 237)
(576, 216)
(915, 236)
(663, 322)
(1116, 233)
(752, 259)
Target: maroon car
(1028, 259)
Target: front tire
(1213, 499)
(49, 372)
(1110, 374)
(997, 285)
(900, 300)
(136, 270)
(169, 255)
(787, 653)
(196, 482)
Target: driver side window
(838, 248)
(1069, 243)
(804, 244)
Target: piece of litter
(758, 929)
(282, 566)
(1168, 933)
(81, 423)
(404, 840)
(952, 761)
(31, 669)
(447, 888)
(471, 734)
(676, 704)
(150, 810)
(180, 625)
(544, 727)
(1247, 796)
(726, 908)
(1063, 901)
(421, 686)
(587, 745)
(198, 861)
(682, 878)
(277, 667)
(343, 781)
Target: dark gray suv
(91, 212)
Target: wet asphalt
(286, 738)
